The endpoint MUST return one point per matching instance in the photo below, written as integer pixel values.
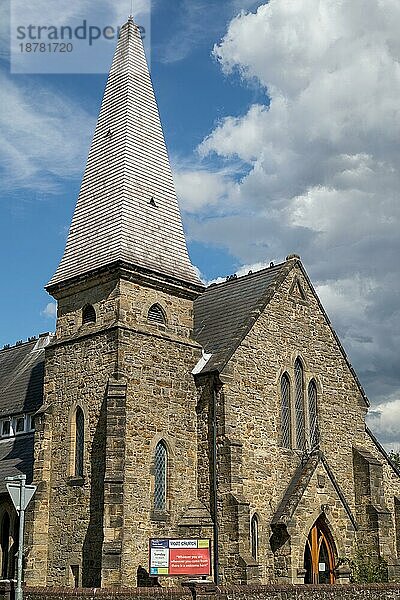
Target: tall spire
(127, 210)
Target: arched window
(299, 405)
(285, 411)
(312, 413)
(160, 476)
(254, 536)
(88, 314)
(5, 545)
(79, 441)
(156, 315)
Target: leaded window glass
(285, 411)
(312, 414)
(299, 405)
(79, 441)
(254, 536)
(160, 473)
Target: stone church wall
(289, 327)
(134, 383)
(77, 372)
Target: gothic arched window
(312, 413)
(254, 536)
(88, 314)
(286, 417)
(156, 315)
(299, 405)
(160, 476)
(79, 441)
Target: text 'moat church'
(161, 409)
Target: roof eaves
(126, 270)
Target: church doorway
(319, 555)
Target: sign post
(21, 494)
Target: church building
(162, 408)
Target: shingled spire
(127, 211)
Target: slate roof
(127, 210)
(16, 457)
(225, 312)
(21, 378)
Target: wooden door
(319, 557)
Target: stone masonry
(133, 381)
(204, 377)
(255, 471)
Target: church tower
(115, 448)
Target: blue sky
(192, 94)
(283, 125)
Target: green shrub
(366, 568)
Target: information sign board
(187, 557)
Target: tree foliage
(395, 458)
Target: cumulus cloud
(199, 189)
(384, 420)
(238, 136)
(50, 310)
(322, 156)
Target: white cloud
(50, 310)
(238, 136)
(384, 421)
(323, 164)
(201, 189)
(45, 135)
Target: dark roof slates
(16, 457)
(225, 312)
(21, 379)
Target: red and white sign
(189, 561)
(186, 557)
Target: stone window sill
(74, 481)
(159, 515)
